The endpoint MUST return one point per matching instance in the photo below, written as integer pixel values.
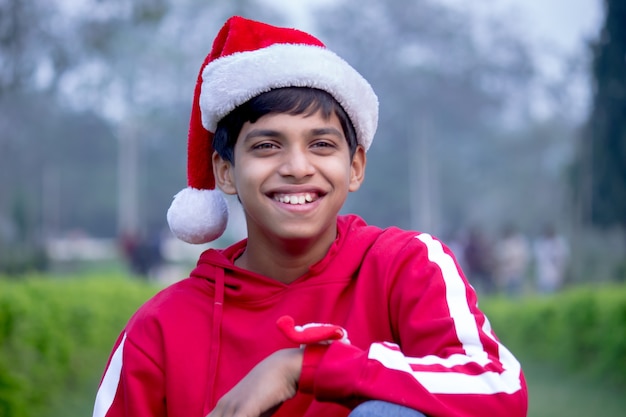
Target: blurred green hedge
(56, 335)
(582, 330)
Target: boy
(314, 314)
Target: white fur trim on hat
(232, 80)
(198, 216)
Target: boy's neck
(283, 261)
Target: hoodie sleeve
(445, 360)
(132, 384)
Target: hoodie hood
(343, 259)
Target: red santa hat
(249, 58)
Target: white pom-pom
(198, 216)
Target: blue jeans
(383, 409)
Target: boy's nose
(296, 164)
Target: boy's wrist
(294, 360)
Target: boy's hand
(264, 388)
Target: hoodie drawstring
(216, 332)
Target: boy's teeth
(295, 199)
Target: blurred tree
(603, 147)
(55, 159)
(30, 51)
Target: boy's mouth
(296, 199)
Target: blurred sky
(565, 23)
(556, 30)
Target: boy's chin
(306, 234)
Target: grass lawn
(553, 393)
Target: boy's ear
(223, 173)
(357, 174)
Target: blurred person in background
(478, 261)
(512, 256)
(551, 253)
(143, 253)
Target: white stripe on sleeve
(108, 387)
(466, 328)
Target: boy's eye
(323, 144)
(264, 145)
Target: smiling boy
(292, 173)
(314, 314)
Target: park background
(494, 116)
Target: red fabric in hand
(311, 333)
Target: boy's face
(292, 174)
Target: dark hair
(290, 100)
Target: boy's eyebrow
(274, 133)
(327, 131)
(261, 133)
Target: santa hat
(249, 58)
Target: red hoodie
(417, 337)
